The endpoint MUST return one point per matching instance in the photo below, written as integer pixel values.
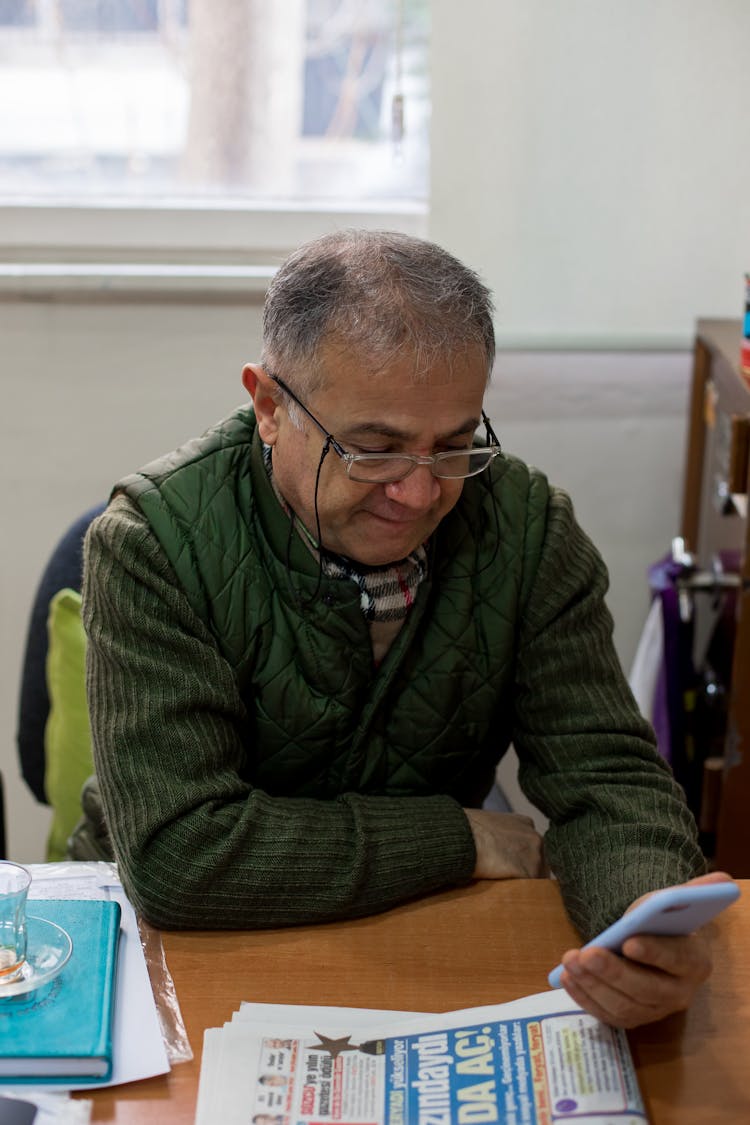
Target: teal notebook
(63, 1030)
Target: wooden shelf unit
(714, 520)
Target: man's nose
(419, 490)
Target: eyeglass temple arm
(288, 390)
(492, 438)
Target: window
(214, 101)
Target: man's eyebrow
(384, 430)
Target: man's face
(382, 412)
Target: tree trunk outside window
(246, 72)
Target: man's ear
(262, 389)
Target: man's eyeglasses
(385, 468)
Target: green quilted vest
(320, 718)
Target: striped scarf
(386, 593)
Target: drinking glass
(14, 886)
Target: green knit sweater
(257, 770)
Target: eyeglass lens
(465, 463)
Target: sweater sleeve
(619, 823)
(197, 845)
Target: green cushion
(67, 737)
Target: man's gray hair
(380, 293)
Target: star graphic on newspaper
(334, 1046)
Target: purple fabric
(677, 673)
(688, 717)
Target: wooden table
(490, 942)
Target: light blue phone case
(675, 910)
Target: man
(315, 630)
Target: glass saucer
(49, 947)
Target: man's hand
(655, 977)
(508, 846)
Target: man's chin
(384, 559)
(374, 541)
(383, 553)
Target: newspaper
(535, 1061)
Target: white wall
(90, 392)
(610, 428)
(590, 158)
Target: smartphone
(675, 910)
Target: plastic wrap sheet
(165, 996)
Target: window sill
(111, 279)
(174, 233)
